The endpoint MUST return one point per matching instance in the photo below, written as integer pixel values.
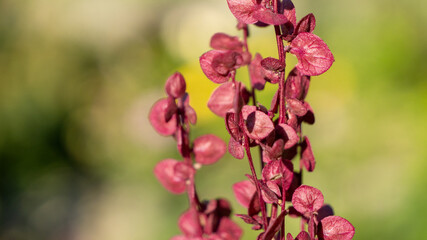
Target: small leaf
(289, 12)
(337, 228)
(254, 206)
(157, 118)
(165, 173)
(325, 211)
(189, 223)
(275, 152)
(244, 192)
(273, 64)
(314, 56)
(275, 102)
(222, 41)
(274, 187)
(306, 24)
(303, 236)
(266, 15)
(293, 213)
(208, 149)
(222, 99)
(307, 157)
(183, 171)
(293, 122)
(248, 109)
(256, 73)
(296, 182)
(271, 76)
(278, 172)
(191, 115)
(307, 199)
(274, 226)
(258, 125)
(309, 116)
(268, 195)
(246, 218)
(297, 85)
(216, 64)
(175, 85)
(171, 109)
(296, 107)
(226, 62)
(243, 10)
(288, 134)
(236, 149)
(232, 126)
(228, 230)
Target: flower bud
(175, 85)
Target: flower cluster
(276, 131)
(172, 116)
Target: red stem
(255, 178)
(245, 37)
(282, 105)
(186, 154)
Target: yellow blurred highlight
(199, 87)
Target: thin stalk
(282, 105)
(255, 178)
(193, 198)
(245, 44)
(245, 37)
(274, 211)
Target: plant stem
(282, 105)
(255, 178)
(245, 37)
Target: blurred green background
(78, 77)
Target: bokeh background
(78, 77)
